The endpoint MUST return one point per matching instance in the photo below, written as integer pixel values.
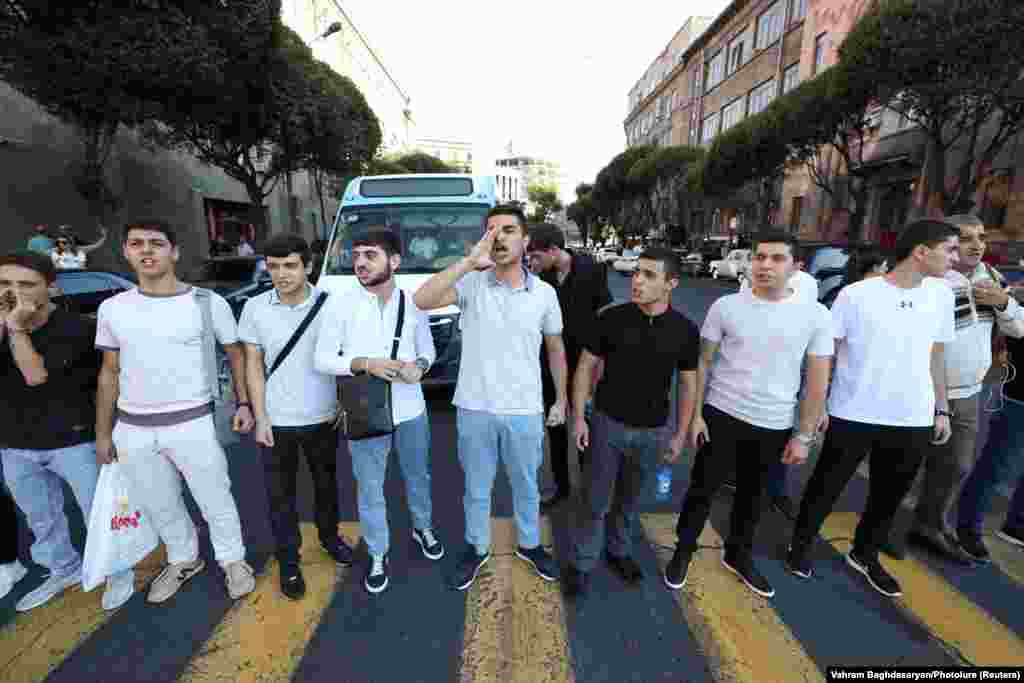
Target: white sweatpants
(153, 458)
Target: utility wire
(373, 54)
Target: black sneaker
(429, 544)
(941, 544)
(971, 543)
(377, 574)
(467, 568)
(677, 569)
(799, 564)
(881, 580)
(729, 484)
(784, 504)
(293, 586)
(896, 551)
(626, 567)
(743, 567)
(542, 562)
(1014, 535)
(577, 583)
(340, 552)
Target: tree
(662, 174)
(380, 166)
(614, 193)
(421, 162)
(950, 67)
(545, 201)
(583, 212)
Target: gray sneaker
(171, 579)
(48, 590)
(240, 579)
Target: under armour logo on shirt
(906, 304)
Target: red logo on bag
(124, 521)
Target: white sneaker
(10, 574)
(240, 579)
(120, 588)
(48, 590)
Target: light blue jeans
(34, 479)
(369, 465)
(518, 440)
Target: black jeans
(752, 452)
(319, 444)
(896, 455)
(8, 528)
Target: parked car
(626, 264)
(827, 263)
(606, 254)
(693, 265)
(735, 266)
(236, 278)
(82, 291)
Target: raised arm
(86, 248)
(439, 291)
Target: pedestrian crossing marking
(36, 642)
(1009, 558)
(949, 615)
(739, 631)
(515, 627)
(264, 636)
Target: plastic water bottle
(664, 490)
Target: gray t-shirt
(762, 344)
(502, 330)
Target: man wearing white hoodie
(981, 302)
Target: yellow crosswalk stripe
(738, 631)
(35, 642)
(948, 614)
(1009, 558)
(264, 636)
(515, 628)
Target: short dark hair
(543, 236)
(154, 225)
(285, 244)
(40, 263)
(668, 258)
(509, 210)
(862, 263)
(926, 232)
(379, 237)
(770, 235)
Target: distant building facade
(455, 153)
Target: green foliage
(545, 201)
(421, 162)
(381, 166)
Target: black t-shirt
(1014, 389)
(640, 354)
(61, 412)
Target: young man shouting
(294, 407)
(753, 346)
(160, 374)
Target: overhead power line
(373, 54)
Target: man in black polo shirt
(48, 371)
(642, 343)
(582, 287)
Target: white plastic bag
(120, 533)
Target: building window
(820, 52)
(799, 9)
(732, 114)
(790, 77)
(761, 97)
(709, 129)
(769, 26)
(735, 55)
(716, 70)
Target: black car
(82, 291)
(236, 278)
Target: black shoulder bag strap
(298, 333)
(398, 327)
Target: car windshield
(433, 236)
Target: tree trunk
(931, 196)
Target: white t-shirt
(883, 363)
(161, 352)
(68, 260)
(296, 394)
(802, 283)
(762, 344)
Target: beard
(380, 278)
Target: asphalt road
(511, 626)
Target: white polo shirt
(159, 340)
(296, 394)
(356, 326)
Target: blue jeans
(369, 465)
(1002, 460)
(34, 478)
(518, 440)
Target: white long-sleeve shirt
(970, 356)
(355, 325)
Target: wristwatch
(805, 439)
(943, 412)
(422, 364)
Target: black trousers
(8, 528)
(896, 455)
(735, 445)
(319, 444)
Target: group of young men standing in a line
(739, 404)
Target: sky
(551, 76)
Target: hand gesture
(823, 423)
(943, 430)
(675, 447)
(410, 373)
(698, 434)
(480, 255)
(795, 453)
(384, 368)
(18, 312)
(242, 422)
(988, 293)
(556, 415)
(264, 434)
(582, 434)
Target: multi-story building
(535, 171)
(757, 50)
(455, 153)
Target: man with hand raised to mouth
(506, 313)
